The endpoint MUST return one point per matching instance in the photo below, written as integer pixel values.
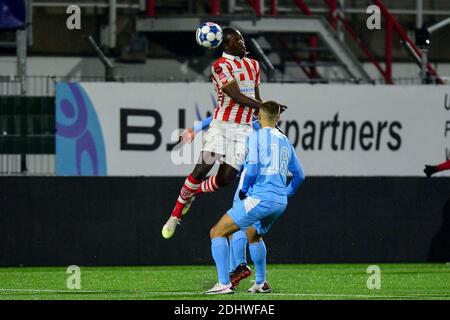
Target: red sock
(208, 185)
(443, 166)
(190, 187)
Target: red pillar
(273, 7)
(256, 5)
(313, 41)
(332, 14)
(313, 74)
(388, 50)
(150, 8)
(396, 25)
(215, 7)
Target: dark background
(118, 221)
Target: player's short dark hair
(271, 109)
(227, 32)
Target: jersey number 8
(279, 164)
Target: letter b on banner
(144, 130)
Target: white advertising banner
(128, 129)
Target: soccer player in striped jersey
(236, 80)
(239, 268)
(264, 194)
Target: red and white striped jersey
(246, 73)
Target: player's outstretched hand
(429, 170)
(242, 194)
(187, 136)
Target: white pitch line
(338, 295)
(75, 291)
(330, 295)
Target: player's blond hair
(270, 110)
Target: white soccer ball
(209, 35)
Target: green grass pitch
(288, 281)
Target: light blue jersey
(277, 150)
(270, 156)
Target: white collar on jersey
(231, 57)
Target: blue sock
(239, 243)
(232, 263)
(221, 255)
(258, 254)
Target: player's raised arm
(257, 95)
(189, 134)
(298, 174)
(234, 92)
(257, 81)
(202, 125)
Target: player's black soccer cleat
(241, 272)
(429, 170)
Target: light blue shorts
(255, 212)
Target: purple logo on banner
(80, 149)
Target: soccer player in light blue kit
(264, 194)
(238, 267)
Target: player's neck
(233, 55)
(266, 124)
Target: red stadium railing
(391, 25)
(313, 73)
(215, 7)
(256, 5)
(150, 8)
(273, 7)
(335, 17)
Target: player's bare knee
(216, 232)
(229, 177)
(212, 233)
(225, 178)
(255, 240)
(253, 236)
(200, 171)
(198, 175)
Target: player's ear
(225, 46)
